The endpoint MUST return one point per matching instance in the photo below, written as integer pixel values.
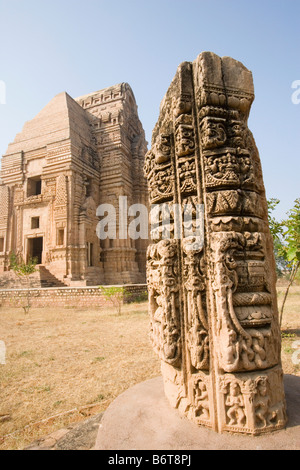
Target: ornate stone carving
(194, 291)
(214, 319)
(252, 403)
(244, 336)
(164, 302)
(184, 136)
(163, 149)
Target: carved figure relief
(213, 133)
(201, 400)
(163, 149)
(184, 136)
(162, 266)
(196, 325)
(249, 402)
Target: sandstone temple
(73, 156)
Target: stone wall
(65, 296)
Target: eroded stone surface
(212, 298)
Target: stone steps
(41, 278)
(48, 279)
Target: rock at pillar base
(142, 419)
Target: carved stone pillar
(212, 296)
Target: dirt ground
(66, 364)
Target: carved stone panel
(165, 334)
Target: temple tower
(72, 157)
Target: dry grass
(60, 360)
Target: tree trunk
(292, 278)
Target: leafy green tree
(275, 226)
(286, 236)
(277, 230)
(24, 270)
(115, 294)
(290, 249)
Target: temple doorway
(35, 249)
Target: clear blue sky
(82, 46)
